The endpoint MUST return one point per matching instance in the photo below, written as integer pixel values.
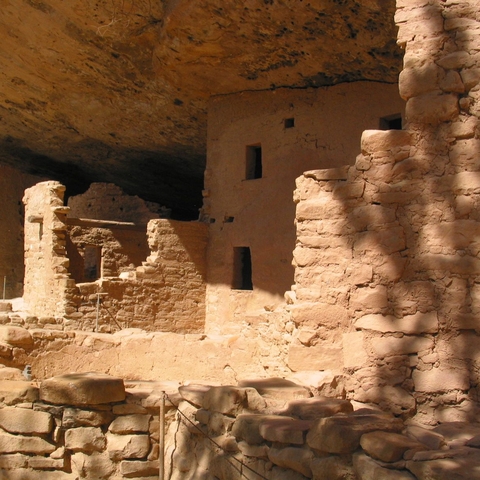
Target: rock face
(100, 91)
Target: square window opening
(254, 167)
(391, 122)
(242, 269)
(289, 122)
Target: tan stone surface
(85, 439)
(24, 444)
(82, 389)
(127, 446)
(342, 434)
(284, 430)
(386, 446)
(323, 356)
(14, 391)
(16, 336)
(130, 424)
(440, 380)
(22, 420)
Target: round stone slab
(82, 389)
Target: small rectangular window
(392, 122)
(253, 168)
(289, 122)
(242, 269)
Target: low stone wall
(90, 425)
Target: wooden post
(161, 442)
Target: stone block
(46, 463)
(317, 407)
(433, 440)
(194, 394)
(374, 141)
(341, 434)
(138, 468)
(130, 424)
(440, 380)
(387, 346)
(127, 446)
(85, 439)
(284, 430)
(247, 427)
(354, 352)
(420, 79)
(319, 314)
(82, 389)
(368, 469)
(409, 324)
(395, 399)
(226, 400)
(253, 450)
(26, 421)
(320, 208)
(75, 417)
(432, 108)
(22, 444)
(83, 465)
(387, 446)
(323, 356)
(13, 461)
(368, 298)
(16, 336)
(296, 459)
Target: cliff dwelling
(239, 240)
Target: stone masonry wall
(387, 250)
(96, 426)
(165, 293)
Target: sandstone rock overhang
(117, 91)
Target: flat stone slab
(82, 389)
(26, 421)
(277, 388)
(194, 394)
(247, 427)
(457, 431)
(317, 407)
(341, 434)
(15, 336)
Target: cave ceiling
(117, 90)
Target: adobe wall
(259, 213)
(164, 292)
(387, 250)
(12, 186)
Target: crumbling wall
(165, 292)
(46, 264)
(296, 130)
(386, 255)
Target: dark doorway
(242, 268)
